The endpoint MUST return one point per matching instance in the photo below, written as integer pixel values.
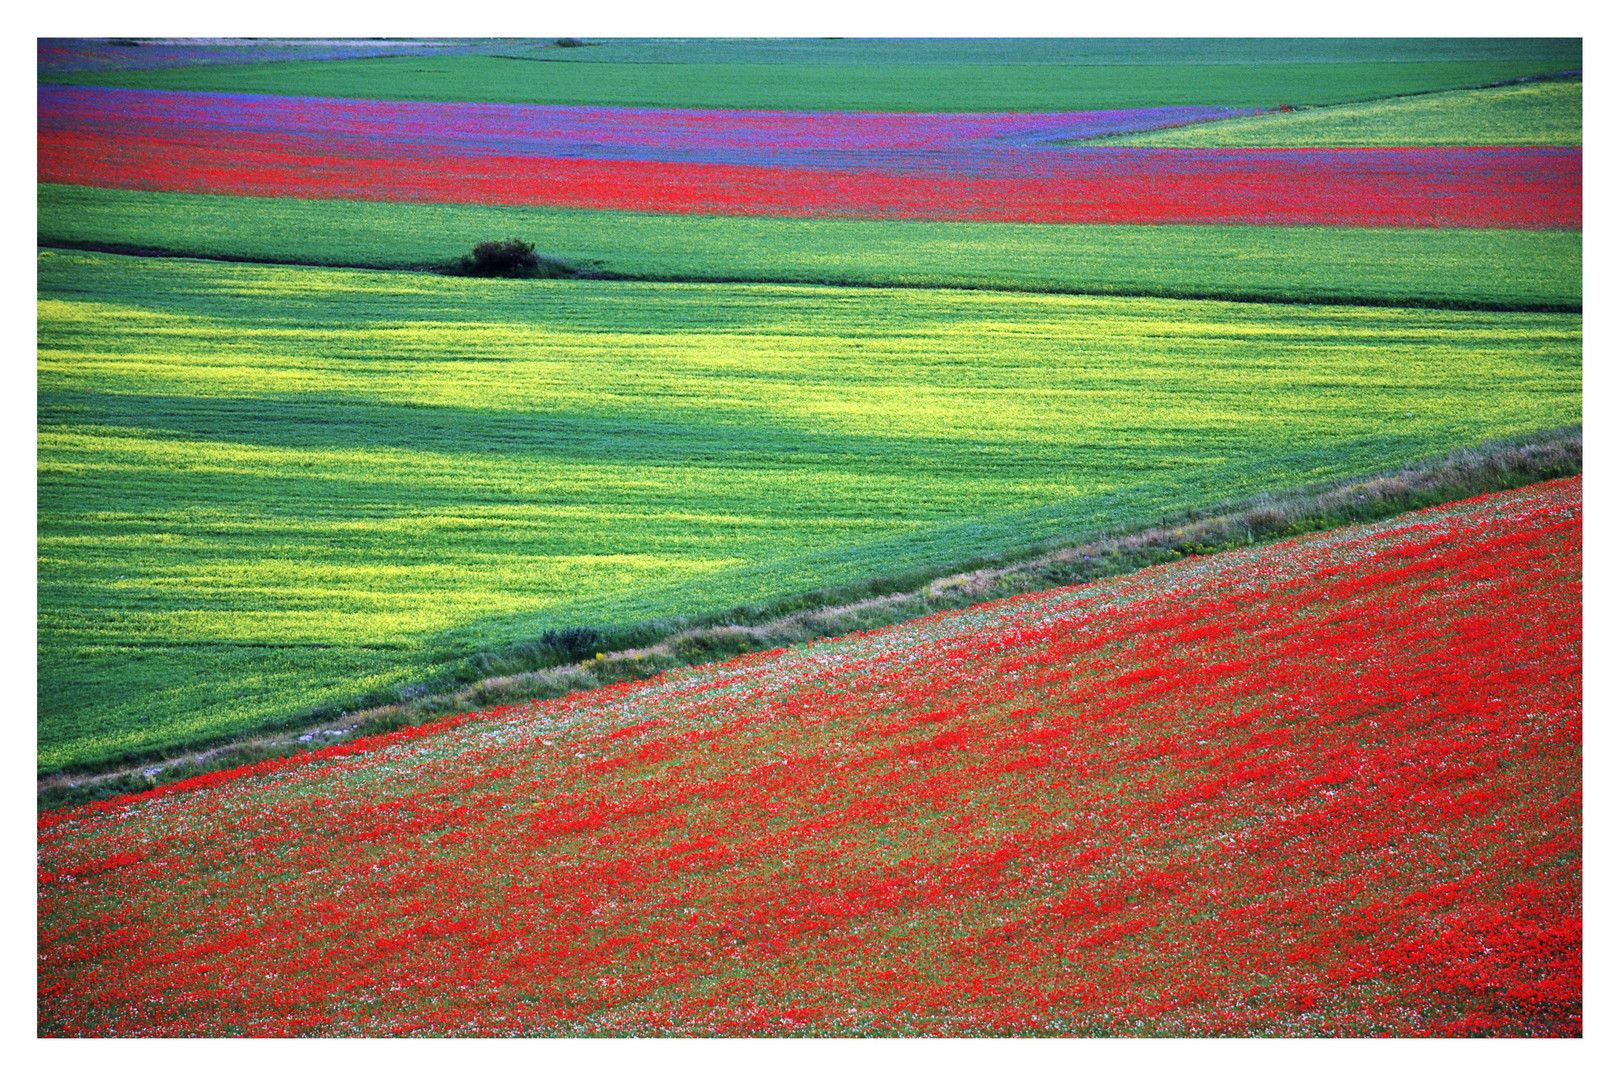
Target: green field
(1489, 268)
(265, 487)
(887, 76)
(1538, 114)
(1087, 52)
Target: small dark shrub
(574, 642)
(512, 258)
(568, 43)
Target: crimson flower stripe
(1518, 189)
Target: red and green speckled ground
(1329, 787)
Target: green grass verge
(1537, 114)
(1439, 267)
(890, 84)
(258, 484)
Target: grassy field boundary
(1462, 267)
(545, 669)
(593, 271)
(1537, 110)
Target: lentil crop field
(790, 325)
(263, 485)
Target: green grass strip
(1537, 114)
(895, 86)
(1433, 267)
(1065, 52)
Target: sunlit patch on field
(1537, 114)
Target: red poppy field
(380, 380)
(1331, 786)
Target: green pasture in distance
(262, 486)
(960, 51)
(1066, 51)
(890, 86)
(1456, 267)
(1535, 114)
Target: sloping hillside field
(598, 386)
(1331, 786)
